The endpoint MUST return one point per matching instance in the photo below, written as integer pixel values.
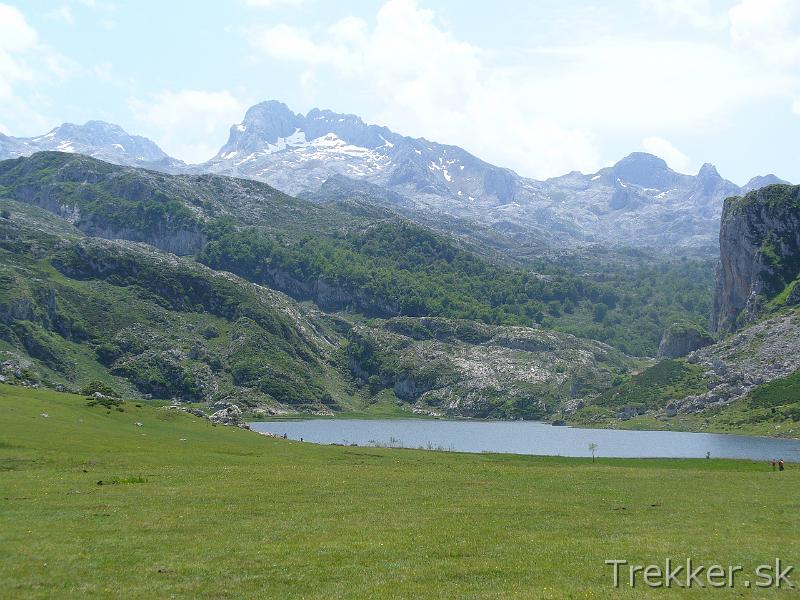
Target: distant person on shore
(780, 465)
(774, 464)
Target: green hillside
(367, 258)
(146, 322)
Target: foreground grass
(190, 510)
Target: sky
(543, 87)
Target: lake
(530, 437)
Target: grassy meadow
(188, 510)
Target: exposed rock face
(794, 296)
(680, 339)
(105, 201)
(759, 253)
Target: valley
(399, 299)
(291, 306)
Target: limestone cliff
(759, 253)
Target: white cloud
(27, 65)
(61, 13)
(17, 40)
(274, 3)
(769, 27)
(699, 14)
(796, 107)
(429, 83)
(663, 148)
(541, 114)
(188, 124)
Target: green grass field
(193, 511)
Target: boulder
(230, 415)
(680, 339)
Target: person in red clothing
(774, 464)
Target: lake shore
(528, 437)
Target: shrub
(106, 402)
(98, 386)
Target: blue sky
(543, 87)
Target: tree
(600, 310)
(592, 449)
(375, 384)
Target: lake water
(530, 437)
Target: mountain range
(97, 139)
(637, 202)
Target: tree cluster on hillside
(408, 270)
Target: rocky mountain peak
(101, 139)
(646, 170)
(264, 123)
(349, 128)
(712, 185)
(708, 171)
(93, 138)
(762, 181)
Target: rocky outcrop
(183, 242)
(793, 298)
(106, 201)
(759, 253)
(229, 415)
(758, 354)
(463, 368)
(329, 295)
(682, 338)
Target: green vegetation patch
(775, 393)
(656, 386)
(396, 268)
(776, 196)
